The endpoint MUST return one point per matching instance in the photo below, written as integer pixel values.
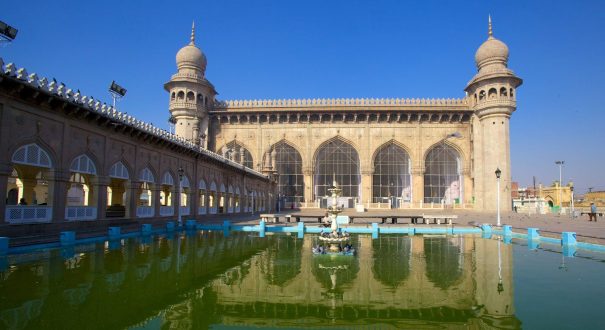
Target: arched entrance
(201, 209)
(117, 194)
(166, 195)
(31, 183)
(81, 201)
(145, 203)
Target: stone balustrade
(339, 102)
(74, 96)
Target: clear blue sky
(307, 49)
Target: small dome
(492, 49)
(190, 56)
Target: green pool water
(204, 280)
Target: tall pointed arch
(443, 175)
(391, 179)
(288, 163)
(337, 160)
(238, 153)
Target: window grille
(83, 164)
(391, 174)
(32, 154)
(337, 160)
(288, 162)
(442, 176)
(147, 176)
(119, 171)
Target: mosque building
(394, 152)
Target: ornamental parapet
(339, 103)
(60, 91)
(186, 106)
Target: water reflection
(195, 280)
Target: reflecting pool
(201, 280)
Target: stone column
(366, 185)
(28, 190)
(5, 172)
(308, 180)
(417, 186)
(99, 186)
(193, 197)
(58, 193)
(132, 198)
(156, 189)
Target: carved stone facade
(395, 153)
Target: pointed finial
(192, 33)
(490, 33)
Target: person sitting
(22, 201)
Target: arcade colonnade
(37, 190)
(388, 175)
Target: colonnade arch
(117, 191)
(167, 199)
(146, 194)
(81, 192)
(203, 195)
(29, 190)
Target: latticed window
(237, 153)
(442, 176)
(337, 160)
(289, 167)
(391, 174)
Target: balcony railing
(145, 211)
(184, 210)
(201, 210)
(166, 211)
(17, 214)
(76, 213)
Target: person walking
(593, 212)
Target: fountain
(335, 237)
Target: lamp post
(498, 173)
(560, 163)
(180, 171)
(572, 213)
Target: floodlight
(115, 88)
(7, 32)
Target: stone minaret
(492, 95)
(191, 95)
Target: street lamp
(498, 173)
(571, 189)
(560, 163)
(181, 172)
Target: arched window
(337, 160)
(503, 92)
(83, 164)
(511, 92)
(442, 177)
(32, 155)
(391, 179)
(180, 96)
(481, 95)
(492, 93)
(200, 99)
(119, 171)
(172, 96)
(288, 163)
(190, 97)
(212, 195)
(237, 153)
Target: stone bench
(438, 218)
